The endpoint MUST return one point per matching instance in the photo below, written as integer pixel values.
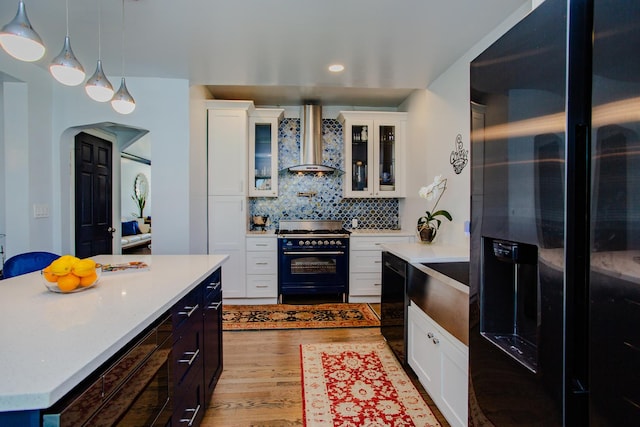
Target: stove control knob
(326, 242)
(300, 243)
(307, 243)
(333, 242)
(313, 242)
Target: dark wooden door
(93, 199)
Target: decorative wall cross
(459, 157)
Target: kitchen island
(52, 342)
(425, 318)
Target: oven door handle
(314, 253)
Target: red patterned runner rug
(359, 384)
(286, 316)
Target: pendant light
(122, 101)
(65, 67)
(20, 40)
(98, 87)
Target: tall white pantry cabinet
(227, 151)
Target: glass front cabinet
(263, 152)
(374, 153)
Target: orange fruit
(89, 279)
(68, 282)
(84, 267)
(48, 275)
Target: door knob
(111, 230)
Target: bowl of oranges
(69, 274)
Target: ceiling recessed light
(336, 68)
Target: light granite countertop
(52, 341)
(418, 252)
(354, 232)
(259, 233)
(381, 232)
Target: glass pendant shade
(122, 100)
(65, 67)
(20, 40)
(98, 87)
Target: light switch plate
(40, 211)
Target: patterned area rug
(285, 316)
(359, 384)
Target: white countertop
(51, 342)
(421, 252)
(260, 233)
(354, 232)
(380, 232)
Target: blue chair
(26, 263)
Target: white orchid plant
(435, 190)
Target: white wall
(412, 207)
(162, 107)
(25, 172)
(198, 169)
(443, 112)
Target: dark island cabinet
(212, 329)
(197, 350)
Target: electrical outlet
(354, 223)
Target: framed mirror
(141, 186)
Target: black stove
(313, 258)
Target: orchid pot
(429, 224)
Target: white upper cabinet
(227, 144)
(263, 152)
(374, 150)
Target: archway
(121, 136)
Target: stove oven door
(307, 272)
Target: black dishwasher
(393, 307)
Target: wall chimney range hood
(311, 142)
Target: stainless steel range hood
(311, 142)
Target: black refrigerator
(555, 220)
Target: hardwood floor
(261, 381)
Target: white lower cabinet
(441, 363)
(227, 225)
(365, 266)
(262, 267)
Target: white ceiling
(273, 51)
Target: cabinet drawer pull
(193, 417)
(193, 354)
(261, 244)
(377, 262)
(377, 284)
(213, 286)
(429, 335)
(215, 305)
(191, 310)
(262, 263)
(262, 286)
(436, 341)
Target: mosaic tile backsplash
(328, 202)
